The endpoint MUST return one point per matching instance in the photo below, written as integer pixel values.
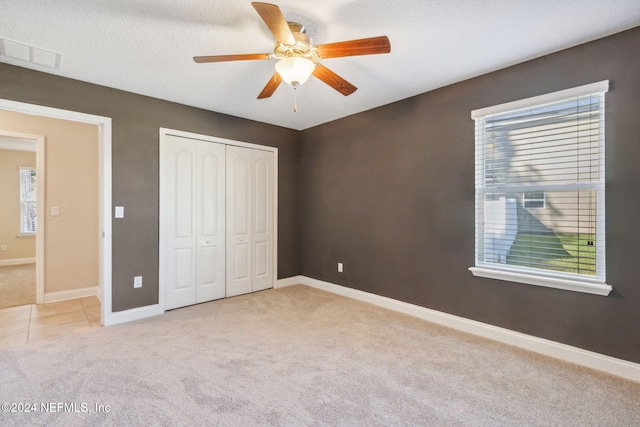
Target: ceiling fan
(297, 57)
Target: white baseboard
(567, 353)
(125, 316)
(16, 261)
(90, 291)
(289, 281)
(138, 313)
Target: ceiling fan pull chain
(295, 98)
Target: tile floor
(29, 323)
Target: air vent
(27, 53)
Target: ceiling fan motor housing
(302, 47)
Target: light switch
(119, 211)
(55, 210)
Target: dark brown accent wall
(136, 121)
(390, 193)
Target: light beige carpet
(299, 357)
(17, 285)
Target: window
(28, 210)
(533, 200)
(540, 190)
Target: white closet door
(210, 216)
(192, 211)
(262, 239)
(249, 220)
(239, 207)
(177, 210)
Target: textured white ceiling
(146, 46)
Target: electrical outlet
(137, 282)
(340, 267)
(3, 248)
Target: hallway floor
(32, 322)
(17, 285)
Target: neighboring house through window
(540, 190)
(28, 201)
(533, 200)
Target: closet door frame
(164, 132)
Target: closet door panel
(211, 221)
(183, 261)
(178, 209)
(262, 219)
(238, 221)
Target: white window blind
(28, 201)
(540, 190)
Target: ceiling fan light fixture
(297, 57)
(295, 70)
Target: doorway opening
(104, 164)
(22, 190)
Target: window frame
(547, 278)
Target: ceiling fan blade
(273, 17)
(370, 46)
(334, 80)
(223, 58)
(271, 86)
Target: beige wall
(17, 247)
(72, 184)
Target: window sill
(566, 284)
(26, 235)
